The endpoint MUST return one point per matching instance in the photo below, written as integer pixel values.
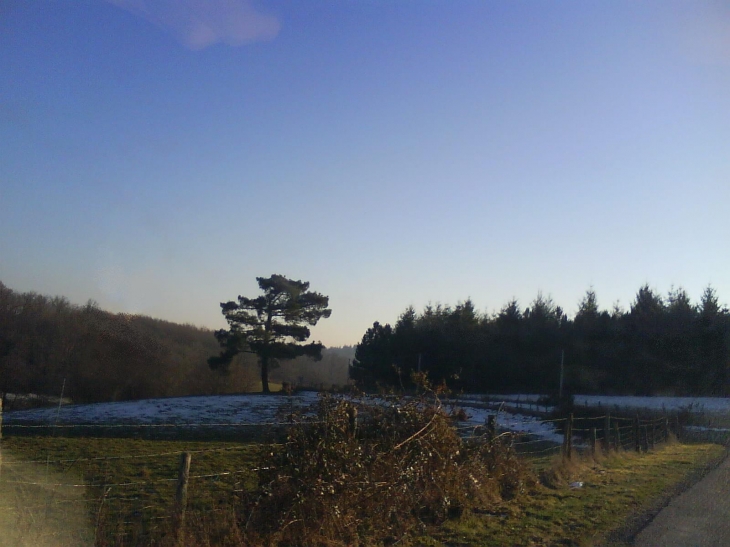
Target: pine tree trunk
(265, 374)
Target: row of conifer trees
(666, 345)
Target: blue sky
(157, 156)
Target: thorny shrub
(362, 471)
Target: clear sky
(158, 155)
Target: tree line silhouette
(48, 344)
(661, 345)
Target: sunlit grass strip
(614, 491)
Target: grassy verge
(616, 492)
(133, 497)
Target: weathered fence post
(653, 435)
(637, 440)
(666, 429)
(645, 437)
(181, 494)
(569, 437)
(677, 429)
(594, 441)
(649, 433)
(607, 433)
(616, 436)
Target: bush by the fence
(358, 473)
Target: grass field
(131, 482)
(130, 499)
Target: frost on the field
(720, 405)
(518, 423)
(256, 409)
(219, 409)
(238, 409)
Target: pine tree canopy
(273, 325)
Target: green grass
(133, 481)
(615, 489)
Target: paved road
(700, 517)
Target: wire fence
(586, 434)
(146, 494)
(119, 499)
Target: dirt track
(36, 512)
(698, 517)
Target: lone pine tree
(273, 325)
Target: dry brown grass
(402, 470)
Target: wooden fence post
(666, 429)
(181, 494)
(594, 441)
(569, 437)
(653, 435)
(616, 436)
(637, 440)
(607, 433)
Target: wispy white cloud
(198, 24)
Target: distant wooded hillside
(332, 370)
(48, 343)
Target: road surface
(700, 517)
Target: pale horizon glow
(158, 156)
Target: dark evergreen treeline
(660, 345)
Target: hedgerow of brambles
(402, 468)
